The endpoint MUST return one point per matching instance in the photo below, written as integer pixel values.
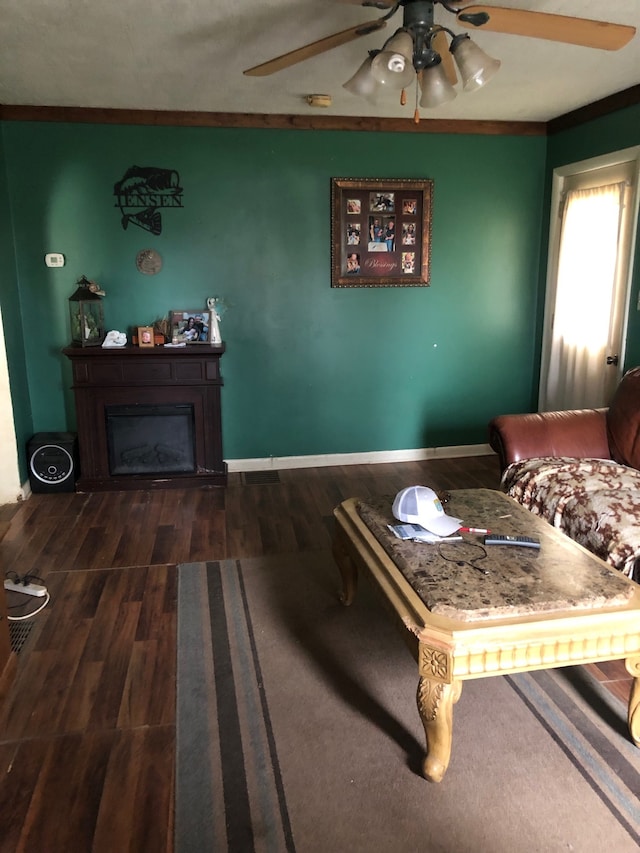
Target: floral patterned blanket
(594, 501)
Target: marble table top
(449, 577)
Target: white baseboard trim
(280, 463)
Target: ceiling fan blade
(441, 46)
(376, 4)
(542, 25)
(315, 48)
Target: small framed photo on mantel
(189, 326)
(380, 232)
(145, 336)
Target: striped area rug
(297, 730)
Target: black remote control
(526, 541)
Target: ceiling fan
(423, 48)
(543, 25)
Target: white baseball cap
(421, 505)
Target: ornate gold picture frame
(380, 232)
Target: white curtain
(577, 374)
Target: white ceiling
(190, 55)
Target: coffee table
(533, 610)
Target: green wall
(308, 369)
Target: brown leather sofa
(580, 470)
(612, 433)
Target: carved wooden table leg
(435, 704)
(633, 667)
(347, 567)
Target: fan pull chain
(416, 114)
(403, 97)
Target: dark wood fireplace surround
(132, 375)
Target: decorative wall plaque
(148, 261)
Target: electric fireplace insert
(150, 439)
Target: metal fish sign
(143, 192)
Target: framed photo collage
(380, 232)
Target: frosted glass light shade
(363, 83)
(475, 66)
(436, 88)
(393, 66)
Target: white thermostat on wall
(54, 259)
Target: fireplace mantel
(131, 375)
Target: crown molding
(612, 103)
(176, 118)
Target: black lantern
(86, 314)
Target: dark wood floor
(87, 733)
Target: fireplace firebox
(148, 418)
(150, 439)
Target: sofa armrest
(580, 433)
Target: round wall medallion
(148, 261)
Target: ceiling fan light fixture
(475, 66)
(393, 66)
(363, 83)
(435, 86)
